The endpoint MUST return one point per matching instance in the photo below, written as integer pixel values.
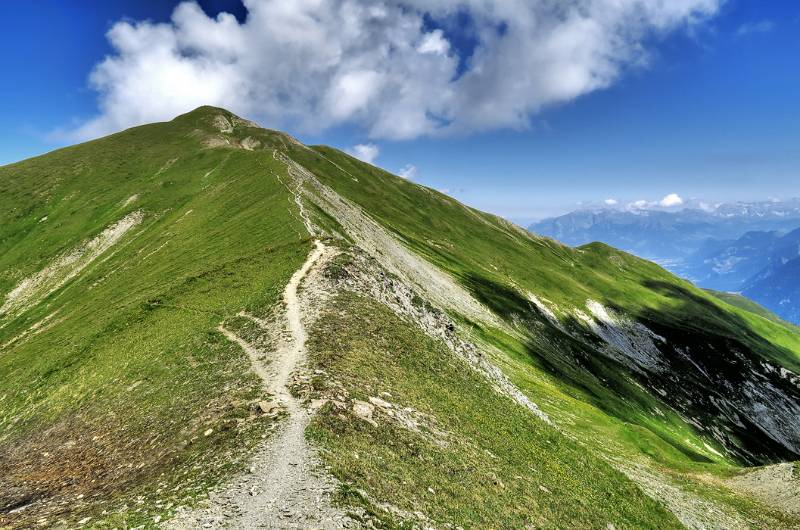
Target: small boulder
(364, 410)
(317, 404)
(378, 402)
(497, 482)
(266, 407)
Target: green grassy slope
(500, 263)
(118, 373)
(482, 461)
(129, 371)
(472, 458)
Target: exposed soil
(65, 267)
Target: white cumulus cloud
(434, 42)
(641, 204)
(610, 202)
(668, 201)
(365, 152)
(386, 66)
(673, 199)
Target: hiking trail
(286, 486)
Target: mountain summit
(205, 323)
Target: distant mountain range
(764, 266)
(776, 286)
(669, 235)
(738, 247)
(729, 265)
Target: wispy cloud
(641, 204)
(376, 64)
(671, 200)
(750, 28)
(409, 171)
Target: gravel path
(286, 486)
(776, 485)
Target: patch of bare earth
(64, 469)
(92, 464)
(65, 267)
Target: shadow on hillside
(503, 301)
(572, 360)
(722, 351)
(711, 322)
(673, 290)
(574, 357)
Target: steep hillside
(212, 323)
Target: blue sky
(714, 113)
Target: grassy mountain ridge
(492, 257)
(100, 371)
(745, 303)
(112, 364)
